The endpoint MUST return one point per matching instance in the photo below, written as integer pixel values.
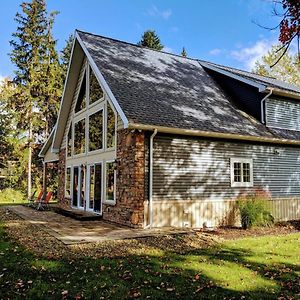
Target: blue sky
(215, 30)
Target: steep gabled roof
(162, 89)
(154, 89)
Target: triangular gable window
(96, 92)
(80, 104)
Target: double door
(87, 187)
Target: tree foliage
(287, 69)
(183, 52)
(150, 40)
(38, 78)
(289, 25)
(66, 55)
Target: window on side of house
(96, 92)
(81, 99)
(68, 183)
(79, 137)
(241, 170)
(110, 182)
(96, 131)
(111, 130)
(70, 141)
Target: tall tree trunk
(29, 158)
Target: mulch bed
(41, 243)
(279, 228)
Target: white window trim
(66, 172)
(116, 124)
(85, 137)
(241, 160)
(72, 144)
(111, 202)
(92, 112)
(90, 105)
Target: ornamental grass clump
(255, 210)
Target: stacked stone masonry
(129, 207)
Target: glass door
(75, 187)
(94, 175)
(81, 191)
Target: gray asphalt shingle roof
(268, 81)
(162, 89)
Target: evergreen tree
(150, 40)
(66, 55)
(183, 52)
(286, 69)
(37, 77)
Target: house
(147, 138)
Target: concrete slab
(71, 231)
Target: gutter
(150, 204)
(262, 106)
(207, 134)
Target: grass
(254, 268)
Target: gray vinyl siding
(191, 168)
(281, 113)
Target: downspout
(150, 204)
(262, 106)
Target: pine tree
(183, 52)
(37, 76)
(66, 55)
(286, 69)
(150, 40)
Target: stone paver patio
(71, 231)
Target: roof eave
(284, 93)
(209, 134)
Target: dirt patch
(41, 243)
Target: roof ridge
(136, 45)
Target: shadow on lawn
(170, 276)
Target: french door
(94, 184)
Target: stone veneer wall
(130, 186)
(61, 177)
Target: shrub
(254, 210)
(11, 196)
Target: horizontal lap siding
(188, 168)
(283, 114)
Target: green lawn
(252, 268)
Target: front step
(77, 214)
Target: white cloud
(155, 12)
(215, 51)
(168, 49)
(249, 55)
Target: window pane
(80, 105)
(69, 153)
(79, 139)
(96, 91)
(110, 127)
(75, 187)
(82, 187)
(98, 187)
(96, 131)
(92, 187)
(68, 183)
(246, 172)
(110, 181)
(237, 172)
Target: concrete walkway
(71, 231)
